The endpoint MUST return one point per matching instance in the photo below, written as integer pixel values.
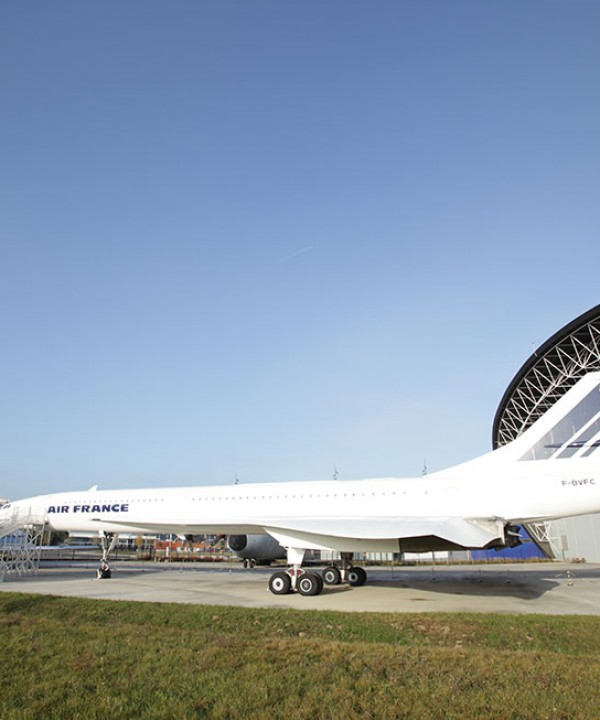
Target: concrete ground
(546, 588)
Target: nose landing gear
(107, 543)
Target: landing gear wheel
(332, 576)
(310, 584)
(356, 576)
(280, 583)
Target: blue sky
(269, 238)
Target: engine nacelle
(260, 548)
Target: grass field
(74, 658)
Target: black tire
(332, 576)
(356, 576)
(310, 584)
(280, 583)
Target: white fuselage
(552, 470)
(515, 493)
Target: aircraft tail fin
(570, 429)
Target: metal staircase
(20, 544)
(549, 544)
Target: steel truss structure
(545, 377)
(20, 546)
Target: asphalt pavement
(546, 588)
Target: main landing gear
(295, 578)
(306, 583)
(355, 576)
(107, 543)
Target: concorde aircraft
(552, 470)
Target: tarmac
(546, 588)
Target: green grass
(74, 658)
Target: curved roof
(547, 375)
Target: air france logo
(78, 509)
